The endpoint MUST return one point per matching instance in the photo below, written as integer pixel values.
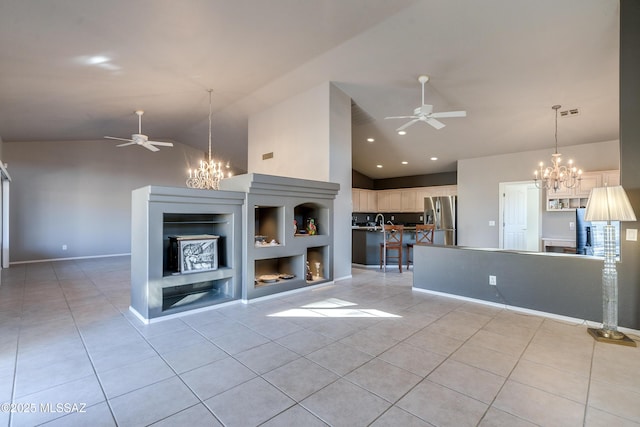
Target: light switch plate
(492, 223)
(632, 234)
(572, 226)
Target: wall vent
(570, 112)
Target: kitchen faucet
(382, 220)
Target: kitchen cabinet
(364, 200)
(568, 199)
(397, 200)
(408, 200)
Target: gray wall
(629, 267)
(567, 285)
(479, 179)
(362, 181)
(78, 193)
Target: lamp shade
(609, 204)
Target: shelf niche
(318, 255)
(291, 266)
(304, 212)
(178, 224)
(268, 223)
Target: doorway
(520, 216)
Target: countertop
(377, 228)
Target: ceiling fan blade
(150, 147)
(164, 144)
(448, 114)
(435, 123)
(118, 139)
(406, 125)
(125, 144)
(402, 117)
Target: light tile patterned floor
(365, 351)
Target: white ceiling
(505, 62)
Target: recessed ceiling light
(402, 132)
(370, 139)
(378, 166)
(405, 163)
(434, 158)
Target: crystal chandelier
(209, 174)
(556, 176)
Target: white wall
(310, 138)
(478, 186)
(296, 131)
(78, 193)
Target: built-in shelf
(159, 214)
(272, 205)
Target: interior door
(515, 217)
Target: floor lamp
(609, 204)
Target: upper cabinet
(397, 200)
(569, 199)
(364, 200)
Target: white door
(515, 217)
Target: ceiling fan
(425, 113)
(140, 139)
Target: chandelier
(556, 176)
(209, 174)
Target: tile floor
(365, 351)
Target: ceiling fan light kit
(425, 113)
(141, 139)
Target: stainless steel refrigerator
(441, 211)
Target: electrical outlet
(632, 234)
(64, 247)
(572, 226)
(368, 218)
(421, 218)
(492, 280)
(393, 218)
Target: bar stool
(392, 235)
(424, 236)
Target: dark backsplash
(408, 219)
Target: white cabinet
(399, 200)
(572, 198)
(383, 201)
(364, 200)
(408, 200)
(355, 200)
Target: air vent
(570, 113)
(359, 117)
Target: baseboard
(68, 259)
(554, 316)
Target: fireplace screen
(190, 254)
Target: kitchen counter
(365, 244)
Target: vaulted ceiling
(77, 70)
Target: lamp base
(611, 337)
